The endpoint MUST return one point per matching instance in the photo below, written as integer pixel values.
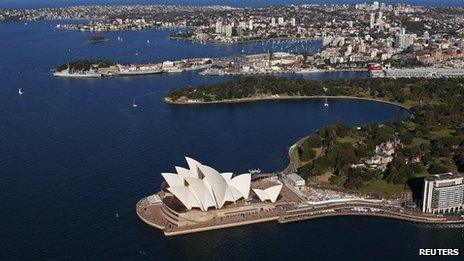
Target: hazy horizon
(250, 3)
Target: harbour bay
(75, 153)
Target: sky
(250, 3)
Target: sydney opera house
(200, 197)
(203, 187)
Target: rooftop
(444, 176)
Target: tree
(355, 180)
(362, 151)
(459, 159)
(315, 141)
(306, 154)
(406, 137)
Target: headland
(373, 170)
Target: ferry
(254, 171)
(173, 70)
(78, 74)
(308, 70)
(375, 70)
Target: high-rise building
(250, 24)
(375, 5)
(218, 27)
(228, 30)
(273, 21)
(349, 49)
(372, 20)
(281, 21)
(426, 35)
(362, 47)
(403, 40)
(443, 193)
(293, 21)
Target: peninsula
(386, 155)
(394, 170)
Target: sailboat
(20, 92)
(134, 105)
(326, 103)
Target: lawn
(383, 188)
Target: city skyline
(241, 3)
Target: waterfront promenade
(287, 211)
(363, 208)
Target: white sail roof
(203, 187)
(242, 183)
(271, 193)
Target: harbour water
(75, 157)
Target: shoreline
(313, 39)
(270, 98)
(303, 214)
(259, 73)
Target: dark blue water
(73, 153)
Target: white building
(296, 180)
(228, 30)
(372, 20)
(270, 193)
(203, 187)
(273, 21)
(403, 40)
(443, 193)
(293, 21)
(218, 27)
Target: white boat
(134, 105)
(309, 70)
(254, 171)
(20, 92)
(78, 74)
(212, 71)
(173, 70)
(326, 103)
